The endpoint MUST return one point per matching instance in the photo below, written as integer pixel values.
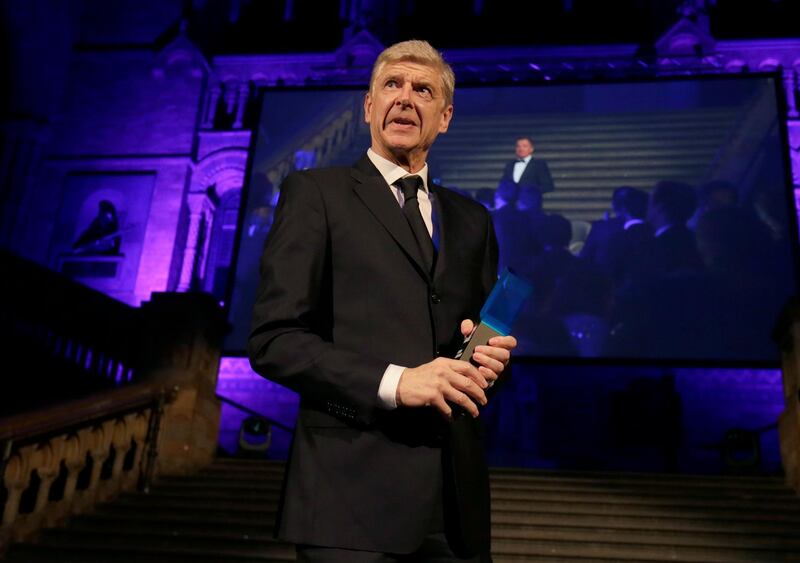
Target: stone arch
(224, 169)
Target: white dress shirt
(519, 167)
(391, 172)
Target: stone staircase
(588, 155)
(226, 514)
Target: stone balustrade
(48, 475)
(112, 434)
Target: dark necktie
(409, 186)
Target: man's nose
(404, 95)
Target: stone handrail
(94, 448)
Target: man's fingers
(496, 353)
(460, 399)
(466, 327)
(468, 386)
(507, 342)
(441, 405)
(466, 369)
(490, 375)
(496, 366)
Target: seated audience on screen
(595, 249)
(672, 248)
(517, 224)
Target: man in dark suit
(596, 247)
(367, 275)
(525, 169)
(673, 248)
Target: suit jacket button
(435, 298)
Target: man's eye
(425, 90)
(391, 83)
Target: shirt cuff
(387, 390)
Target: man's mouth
(404, 122)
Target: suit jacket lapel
(447, 227)
(371, 188)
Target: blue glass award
(498, 314)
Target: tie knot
(409, 186)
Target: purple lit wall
(243, 386)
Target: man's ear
(367, 107)
(447, 115)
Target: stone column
(210, 111)
(241, 104)
(197, 203)
(790, 87)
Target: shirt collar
(527, 159)
(391, 172)
(630, 223)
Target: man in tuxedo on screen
(524, 169)
(370, 278)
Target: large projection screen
(690, 265)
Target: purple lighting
(240, 384)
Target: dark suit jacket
(536, 172)
(673, 252)
(596, 248)
(343, 294)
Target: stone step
(470, 167)
(733, 499)
(149, 542)
(502, 152)
(659, 538)
(644, 489)
(663, 521)
(29, 553)
(637, 552)
(211, 513)
(259, 486)
(177, 526)
(598, 477)
(679, 508)
(205, 501)
(499, 156)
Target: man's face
(406, 110)
(524, 148)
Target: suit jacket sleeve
(290, 340)
(545, 179)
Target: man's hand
(494, 357)
(439, 381)
(442, 380)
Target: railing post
(185, 331)
(149, 457)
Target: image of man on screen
(525, 169)
(370, 278)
